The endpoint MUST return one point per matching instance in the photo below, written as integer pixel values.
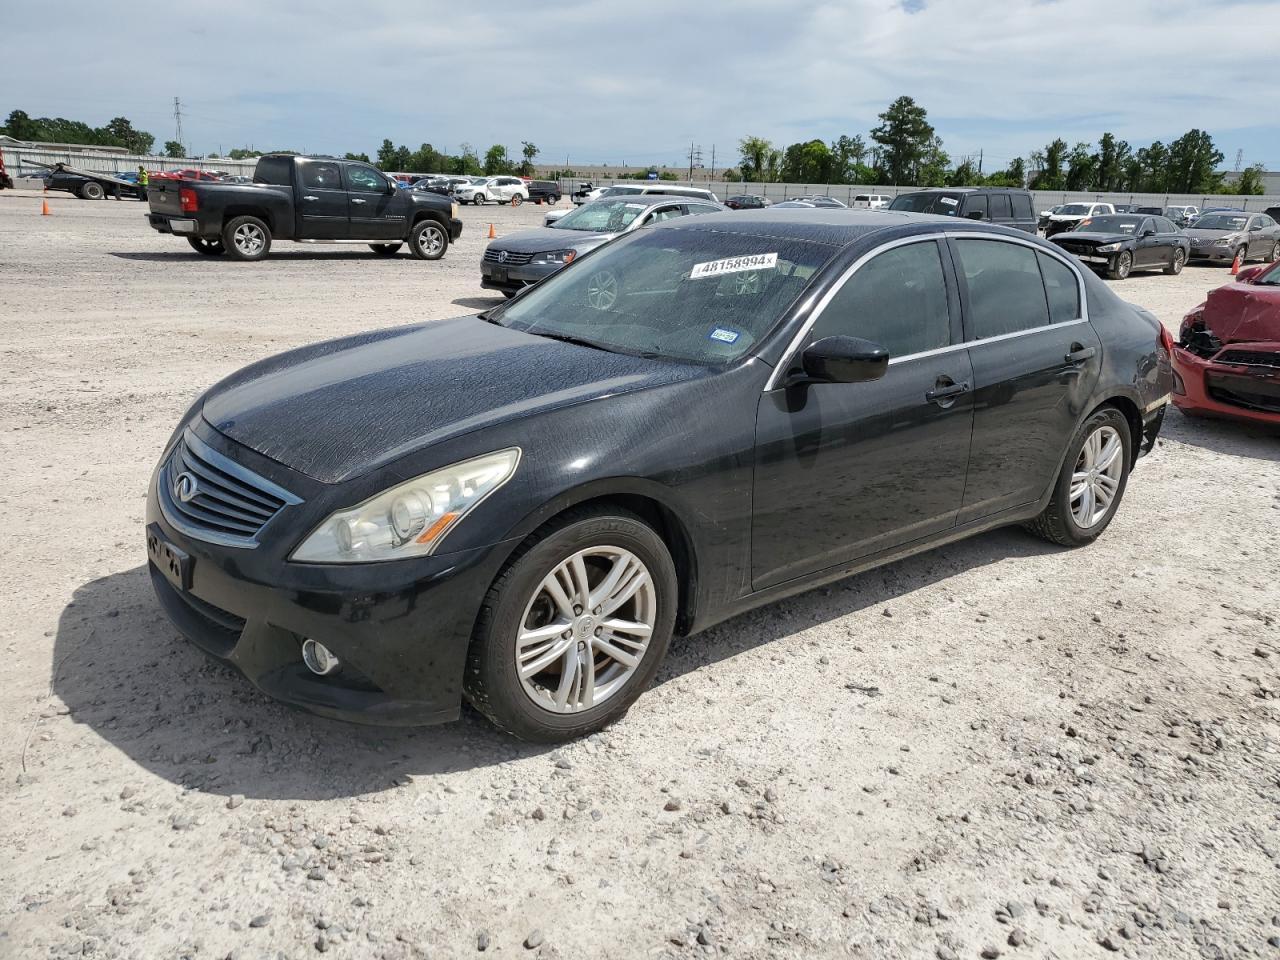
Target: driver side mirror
(1149, 232)
(844, 360)
(974, 215)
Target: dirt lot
(994, 749)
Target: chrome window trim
(793, 347)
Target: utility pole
(177, 119)
(690, 163)
(713, 161)
(979, 161)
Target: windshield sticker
(723, 335)
(634, 206)
(949, 201)
(718, 268)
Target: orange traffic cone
(1235, 264)
(492, 235)
(44, 208)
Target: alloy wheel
(431, 240)
(1124, 265)
(249, 239)
(1096, 478)
(586, 629)
(1179, 261)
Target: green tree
(964, 174)
(20, 126)
(1151, 165)
(934, 163)
(122, 133)
(496, 160)
(1048, 165)
(356, 156)
(807, 163)
(1250, 182)
(1110, 163)
(908, 146)
(1193, 164)
(1014, 176)
(730, 175)
(173, 149)
(754, 157)
(1080, 167)
(847, 153)
(530, 153)
(466, 163)
(426, 159)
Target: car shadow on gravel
(122, 669)
(1257, 441)
(479, 303)
(328, 253)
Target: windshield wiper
(570, 338)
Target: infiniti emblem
(502, 256)
(185, 487)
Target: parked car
(795, 204)
(870, 201)
(1273, 213)
(1006, 208)
(544, 191)
(88, 184)
(1121, 243)
(1182, 215)
(304, 199)
(1125, 207)
(501, 189)
(1069, 216)
(746, 201)
(1043, 220)
(1222, 237)
(523, 507)
(1227, 360)
(525, 257)
(638, 190)
(819, 200)
(188, 174)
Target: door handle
(944, 393)
(310, 198)
(356, 200)
(1080, 353)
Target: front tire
(386, 249)
(428, 240)
(1275, 252)
(1091, 483)
(246, 238)
(1122, 266)
(478, 199)
(210, 248)
(1177, 263)
(92, 191)
(574, 628)
(1242, 255)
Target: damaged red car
(1227, 359)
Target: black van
(1008, 208)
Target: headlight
(1108, 248)
(1225, 241)
(410, 519)
(554, 256)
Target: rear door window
(275, 170)
(898, 299)
(1000, 207)
(1006, 292)
(320, 175)
(1021, 206)
(975, 205)
(1062, 288)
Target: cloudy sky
(593, 85)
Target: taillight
(1166, 339)
(190, 202)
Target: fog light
(318, 658)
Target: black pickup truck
(304, 199)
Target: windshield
(944, 203)
(1270, 278)
(1221, 221)
(1126, 225)
(602, 216)
(1075, 210)
(696, 295)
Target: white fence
(21, 162)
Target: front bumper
(512, 279)
(401, 629)
(1207, 252)
(1233, 391)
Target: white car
(635, 189)
(502, 189)
(1069, 214)
(870, 201)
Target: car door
(845, 470)
(377, 209)
(1168, 235)
(1148, 247)
(322, 201)
(1035, 361)
(1259, 238)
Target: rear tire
(1060, 521)
(428, 240)
(386, 249)
(210, 248)
(1177, 263)
(92, 191)
(516, 200)
(246, 238)
(524, 706)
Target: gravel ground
(994, 749)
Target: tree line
(466, 162)
(904, 149)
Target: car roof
(961, 190)
(649, 199)
(838, 226)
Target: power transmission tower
(177, 119)
(1239, 159)
(695, 158)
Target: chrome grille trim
(513, 259)
(231, 505)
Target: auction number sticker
(718, 268)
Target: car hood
(549, 238)
(1201, 233)
(1243, 312)
(1067, 216)
(337, 410)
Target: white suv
(869, 201)
(502, 189)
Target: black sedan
(522, 507)
(1121, 243)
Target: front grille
(214, 498)
(513, 259)
(1252, 358)
(1251, 393)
